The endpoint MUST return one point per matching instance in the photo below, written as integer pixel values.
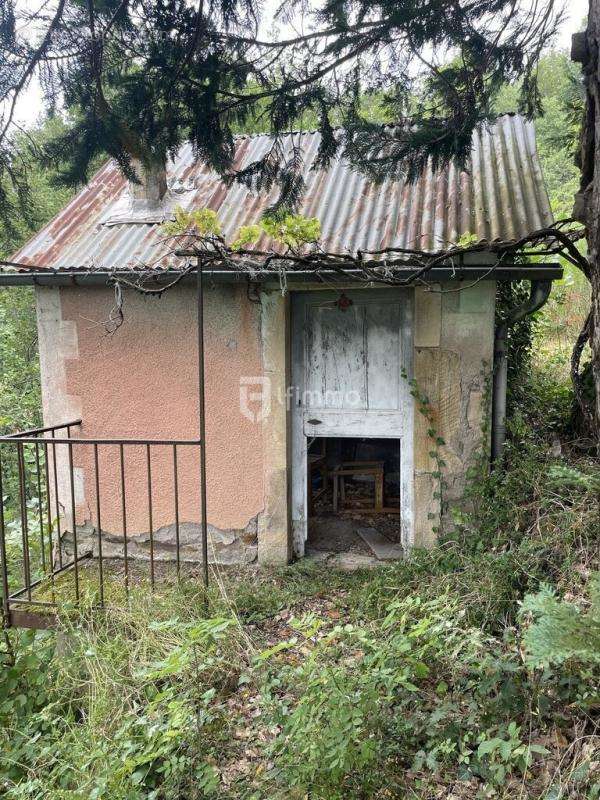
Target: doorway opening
(353, 496)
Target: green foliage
(455, 667)
(292, 230)
(454, 672)
(519, 344)
(562, 631)
(202, 222)
(345, 689)
(145, 78)
(437, 442)
(418, 692)
(452, 667)
(499, 755)
(44, 197)
(20, 396)
(247, 236)
(123, 713)
(20, 400)
(466, 240)
(557, 135)
(402, 681)
(566, 476)
(24, 697)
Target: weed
(470, 670)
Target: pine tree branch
(34, 60)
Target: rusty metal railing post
(202, 416)
(49, 513)
(3, 561)
(24, 519)
(124, 517)
(56, 502)
(74, 516)
(176, 500)
(40, 506)
(150, 519)
(99, 525)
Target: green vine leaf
(247, 235)
(203, 221)
(292, 230)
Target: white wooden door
(347, 363)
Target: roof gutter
(474, 272)
(540, 291)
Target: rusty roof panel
(501, 197)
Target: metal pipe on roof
(540, 291)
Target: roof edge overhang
(508, 272)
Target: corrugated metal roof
(501, 197)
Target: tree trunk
(582, 410)
(585, 50)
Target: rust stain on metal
(500, 197)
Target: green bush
(561, 631)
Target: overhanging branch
(385, 266)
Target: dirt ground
(336, 533)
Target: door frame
(300, 433)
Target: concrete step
(382, 548)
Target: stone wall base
(224, 546)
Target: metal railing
(39, 513)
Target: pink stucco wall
(141, 382)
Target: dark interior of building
(353, 501)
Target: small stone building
(287, 362)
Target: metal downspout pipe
(540, 291)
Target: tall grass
(413, 680)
